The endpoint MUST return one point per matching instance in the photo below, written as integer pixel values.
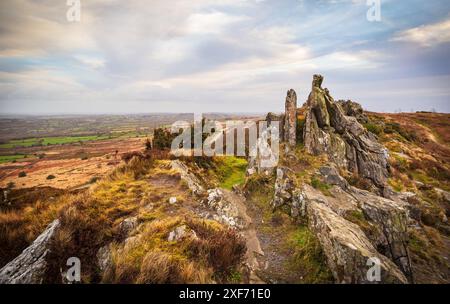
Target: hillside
(350, 186)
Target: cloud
(211, 23)
(226, 55)
(94, 63)
(426, 35)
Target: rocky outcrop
(264, 156)
(270, 117)
(191, 180)
(127, 225)
(30, 266)
(331, 176)
(290, 118)
(391, 220)
(286, 194)
(372, 224)
(347, 249)
(225, 211)
(354, 109)
(346, 142)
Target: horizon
(232, 56)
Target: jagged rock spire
(290, 118)
(346, 142)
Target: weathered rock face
(346, 142)
(192, 181)
(352, 225)
(290, 118)
(227, 212)
(264, 156)
(286, 194)
(391, 221)
(30, 266)
(347, 249)
(354, 109)
(280, 118)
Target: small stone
(251, 171)
(180, 233)
(172, 200)
(127, 225)
(177, 234)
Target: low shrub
(84, 229)
(223, 249)
(374, 128)
(320, 185)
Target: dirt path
(249, 233)
(277, 265)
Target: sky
(220, 56)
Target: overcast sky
(220, 56)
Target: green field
(9, 158)
(49, 141)
(45, 141)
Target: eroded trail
(249, 233)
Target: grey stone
(30, 266)
(290, 118)
(346, 142)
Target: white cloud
(94, 63)
(211, 23)
(426, 35)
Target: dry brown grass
(208, 257)
(223, 249)
(84, 229)
(28, 216)
(91, 220)
(159, 267)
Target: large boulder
(346, 142)
(30, 266)
(226, 212)
(391, 218)
(347, 249)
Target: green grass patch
(60, 140)
(231, 171)
(320, 185)
(10, 158)
(308, 257)
(45, 141)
